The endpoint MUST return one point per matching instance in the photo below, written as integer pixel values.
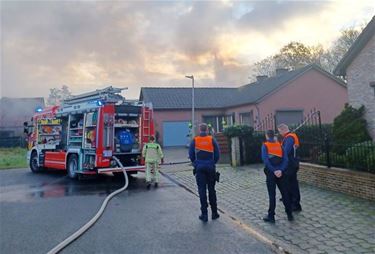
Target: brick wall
(359, 184)
(222, 141)
(359, 74)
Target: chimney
(260, 78)
(280, 71)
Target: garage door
(289, 117)
(174, 133)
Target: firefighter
(204, 154)
(290, 145)
(211, 130)
(153, 155)
(276, 161)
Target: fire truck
(86, 131)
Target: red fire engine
(84, 133)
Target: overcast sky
(88, 45)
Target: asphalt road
(37, 211)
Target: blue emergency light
(39, 109)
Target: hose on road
(94, 219)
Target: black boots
(215, 216)
(269, 218)
(148, 186)
(203, 217)
(290, 217)
(297, 208)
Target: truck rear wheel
(34, 163)
(73, 166)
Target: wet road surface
(37, 211)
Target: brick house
(358, 67)
(288, 95)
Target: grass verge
(14, 157)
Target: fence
(12, 142)
(353, 156)
(318, 146)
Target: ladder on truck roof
(89, 101)
(109, 95)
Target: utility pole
(192, 106)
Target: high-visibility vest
(204, 144)
(152, 152)
(295, 137)
(274, 149)
(296, 142)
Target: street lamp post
(192, 106)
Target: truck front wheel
(73, 166)
(34, 163)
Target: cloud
(88, 45)
(272, 15)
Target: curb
(250, 230)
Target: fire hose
(94, 219)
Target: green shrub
(313, 133)
(251, 142)
(337, 160)
(370, 160)
(238, 131)
(350, 127)
(359, 155)
(253, 148)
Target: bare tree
(291, 56)
(339, 47)
(56, 96)
(295, 55)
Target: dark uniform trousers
(293, 186)
(272, 181)
(205, 176)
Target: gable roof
(224, 97)
(356, 47)
(180, 97)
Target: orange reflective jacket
(294, 136)
(274, 148)
(204, 144)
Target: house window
(372, 84)
(217, 122)
(247, 118)
(289, 117)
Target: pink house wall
(311, 90)
(161, 116)
(242, 109)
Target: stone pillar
(235, 152)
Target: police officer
(290, 145)
(204, 154)
(276, 161)
(152, 155)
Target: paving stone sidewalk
(330, 222)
